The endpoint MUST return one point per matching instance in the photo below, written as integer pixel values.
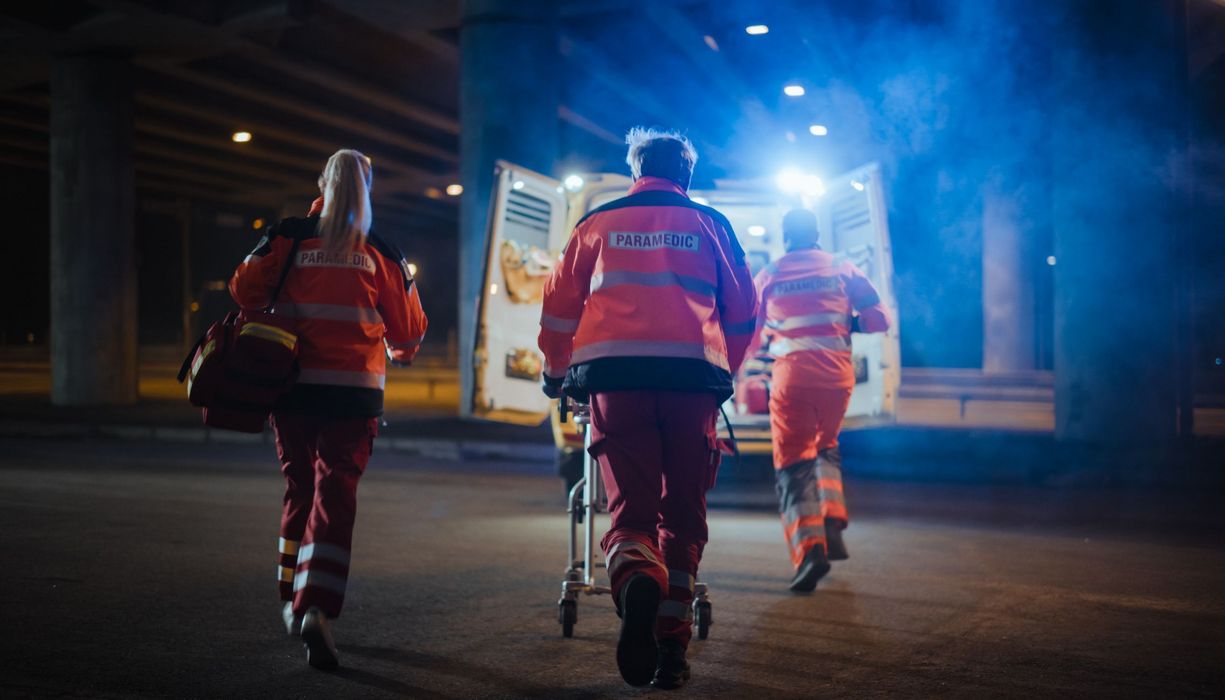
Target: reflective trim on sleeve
(832, 496)
(648, 348)
(406, 346)
(329, 312)
(289, 547)
(284, 573)
(786, 346)
(367, 380)
(320, 579)
(617, 278)
(742, 328)
(252, 258)
(558, 324)
(324, 551)
(675, 609)
(792, 322)
(681, 579)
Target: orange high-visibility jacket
(352, 312)
(652, 292)
(807, 297)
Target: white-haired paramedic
(649, 314)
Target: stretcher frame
(582, 506)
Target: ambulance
(532, 216)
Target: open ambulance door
(852, 218)
(526, 233)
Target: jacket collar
(648, 183)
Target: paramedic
(354, 306)
(811, 301)
(648, 316)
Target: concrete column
(509, 93)
(93, 250)
(1008, 282)
(1114, 219)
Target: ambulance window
(527, 220)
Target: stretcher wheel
(702, 619)
(567, 615)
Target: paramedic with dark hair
(354, 306)
(810, 302)
(648, 315)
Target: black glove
(855, 323)
(552, 386)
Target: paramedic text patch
(804, 284)
(653, 240)
(322, 258)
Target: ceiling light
(1050, 260)
(793, 90)
(757, 29)
(455, 189)
(857, 185)
(574, 183)
(240, 136)
(757, 231)
(818, 130)
(412, 269)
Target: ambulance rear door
(526, 233)
(853, 223)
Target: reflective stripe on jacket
(807, 297)
(652, 292)
(351, 311)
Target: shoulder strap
(276, 292)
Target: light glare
(793, 90)
(412, 269)
(757, 231)
(700, 200)
(517, 185)
(818, 130)
(574, 183)
(240, 136)
(1050, 260)
(857, 185)
(756, 29)
(455, 189)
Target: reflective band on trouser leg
(629, 556)
(288, 550)
(829, 488)
(800, 509)
(321, 577)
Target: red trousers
(658, 457)
(804, 423)
(322, 460)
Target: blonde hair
(345, 184)
(660, 153)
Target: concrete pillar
(1114, 218)
(93, 250)
(1008, 280)
(509, 94)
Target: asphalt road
(135, 569)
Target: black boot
(810, 570)
(637, 651)
(317, 638)
(834, 543)
(673, 670)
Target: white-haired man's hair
(658, 153)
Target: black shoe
(814, 566)
(317, 638)
(637, 651)
(834, 544)
(673, 670)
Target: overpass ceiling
(306, 77)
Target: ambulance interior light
(857, 185)
(757, 230)
(795, 181)
(574, 183)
